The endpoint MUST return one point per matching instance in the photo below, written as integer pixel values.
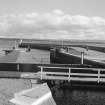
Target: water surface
(79, 96)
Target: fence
(72, 74)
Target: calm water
(79, 96)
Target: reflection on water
(74, 96)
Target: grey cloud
(55, 24)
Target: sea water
(79, 96)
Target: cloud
(58, 12)
(53, 25)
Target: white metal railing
(69, 75)
(60, 67)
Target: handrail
(94, 69)
(70, 75)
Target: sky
(53, 19)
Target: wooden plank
(102, 79)
(56, 73)
(84, 74)
(71, 74)
(30, 75)
(72, 78)
(55, 78)
(102, 75)
(84, 79)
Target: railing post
(82, 57)
(69, 74)
(41, 72)
(98, 75)
(18, 67)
